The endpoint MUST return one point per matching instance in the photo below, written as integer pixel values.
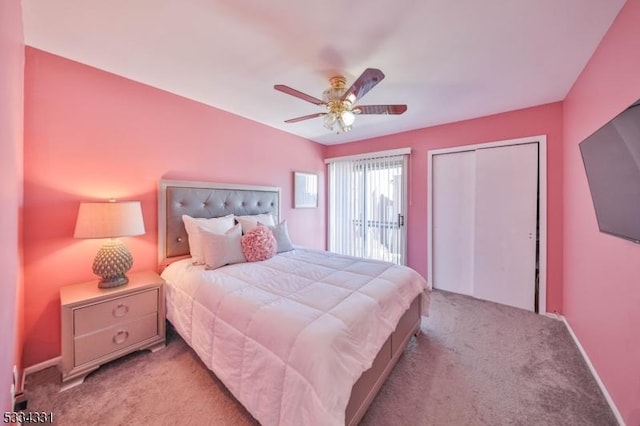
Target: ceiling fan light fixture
(343, 119)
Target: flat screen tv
(611, 158)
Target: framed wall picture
(305, 190)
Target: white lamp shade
(109, 220)
(348, 117)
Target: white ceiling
(448, 60)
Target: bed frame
(206, 199)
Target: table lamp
(110, 220)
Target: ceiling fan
(340, 102)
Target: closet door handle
(400, 220)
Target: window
(367, 205)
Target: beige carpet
(475, 363)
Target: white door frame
(542, 208)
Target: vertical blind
(367, 205)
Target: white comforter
(289, 336)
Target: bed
(305, 337)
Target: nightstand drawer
(113, 312)
(104, 342)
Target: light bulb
(348, 117)
(343, 126)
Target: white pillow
(281, 233)
(217, 225)
(220, 250)
(250, 222)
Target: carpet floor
(475, 363)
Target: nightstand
(100, 325)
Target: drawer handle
(120, 310)
(120, 337)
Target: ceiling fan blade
(381, 109)
(305, 117)
(367, 80)
(293, 92)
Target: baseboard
(53, 362)
(612, 405)
(553, 315)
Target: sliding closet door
(505, 224)
(453, 177)
(484, 204)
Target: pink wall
(11, 136)
(546, 119)
(601, 273)
(93, 135)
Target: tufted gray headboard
(205, 199)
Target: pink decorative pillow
(259, 244)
